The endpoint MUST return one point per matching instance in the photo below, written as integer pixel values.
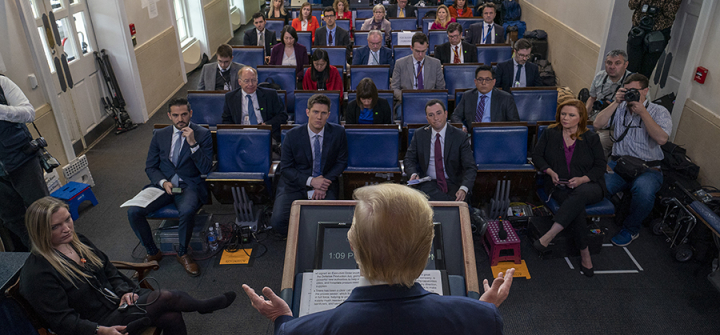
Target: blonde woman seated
(379, 22)
(75, 289)
(442, 18)
(277, 11)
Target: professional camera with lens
(599, 105)
(47, 161)
(643, 34)
(632, 94)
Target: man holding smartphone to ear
(178, 156)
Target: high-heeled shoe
(539, 247)
(587, 272)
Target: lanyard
(484, 34)
(602, 87)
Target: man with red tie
(443, 153)
(455, 51)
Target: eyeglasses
(482, 80)
(523, 56)
(333, 15)
(249, 81)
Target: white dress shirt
(311, 134)
(486, 27)
(523, 78)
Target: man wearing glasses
(251, 104)
(374, 53)
(485, 103)
(517, 71)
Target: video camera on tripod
(653, 40)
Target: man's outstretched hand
(271, 308)
(498, 292)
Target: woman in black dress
(367, 108)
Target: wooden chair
(13, 292)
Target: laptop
(360, 3)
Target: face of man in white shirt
(248, 81)
(180, 116)
(317, 117)
(436, 116)
(374, 42)
(419, 51)
(488, 15)
(259, 24)
(455, 38)
(224, 62)
(329, 18)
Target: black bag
(676, 160)
(270, 83)
(547, 74)
(538, 34)
(630, 167)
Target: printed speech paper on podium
(144, 198)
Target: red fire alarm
(701, 74)
(132, 34)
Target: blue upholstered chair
(380, 75)
(275, 25)
(373, 150)
(421, 11)
(459, 76)
(250, 56)
(302, 97)
(344, 23)
(207, 106)
(436, 37)
(283, 76)
(317, 13)
(466, 22)
(535, 104)
(338, 57)
(363, 13)
(501, 149)
(403, 24)
(305, 39)
(488, 54)
(413, 104)
(359, 23)
(361, 38)
(425, 24)
(401, 51)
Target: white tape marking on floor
(606, 272)
(569, 264)
(607, 245)
(633, 259)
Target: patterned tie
(251, 110)
(175, 180)
(330, 39)
(488, 39)
(457, 55)
(480, 109)
(318, 156)
(517, 76)
(439, 170)
(420, 85)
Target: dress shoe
(539, 247)
(189, 264)
(156, 257)
(587, 272)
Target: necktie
(457, 56)
(402, 13)
(480, 109)
(517, 75)
(251, 110)
(420, 85)
(488, 39)
(439, 170)
(330, 39)
(375, 58)
(175, 180)
(317, 156)
(261, 39)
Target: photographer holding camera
(650, 33)
(21, 177)
(641, 127)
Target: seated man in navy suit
(442, 152)
(264, 102)
(517, 71)
(374, 53)
(485, 103)
(313, 156)
(387, 299)
(178, 155)
(456, 51)
(260, 36)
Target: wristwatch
(195, 145)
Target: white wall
(706, 94)
(587, 17)
(146, 27)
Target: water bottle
(218, 232)
(212, 240)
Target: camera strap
(602, 87)
(628, 126)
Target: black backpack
(676, 160)
(270, 83)
(547, 74)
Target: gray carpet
(666, 298)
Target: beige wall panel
(217, 20)
(699, 133)
(159, 67)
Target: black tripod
(115, 104)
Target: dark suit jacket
(271, 108)
(588, 158)
(296, 163)
(390, 310)
(276, 57)
(457, 155)
(382, 113)
(392, 11)
(444, 53)
(287, 17)
(502, 107)
(361, 56)
(342, 37)
(190, 166)
(505, 75)
(475, 34)
(250, 39)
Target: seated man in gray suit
(220, 75)
(442, 152)
(486, 32)
(485, 103)
(417, 71)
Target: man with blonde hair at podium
(391, 235)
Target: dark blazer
(389, 310)
(475, 34)
(272, 109)
(69, 309)
(190, 166)
(276, 57)
(287, 17)
(505, 75)
(296, 164)
(588, 157)
(382, 113)
(444, 53)
(502, 107)
(391, 11)
(250, 39)
(457, 155)
(342, 37)
(361, 56)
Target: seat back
(343, 23)
(535, 104)
(466, 22)
(488, 54)
(358, 23)
(337, 57)
(250, 56)
(305, 39)
(394, 37)
(436, 37)
(387, 95)
(401, 51)
(207, 106)
(361, 38)
(363, 13)
(302, 97)
(243, 150)
(283, 76)
(413, 104)
(459, 76)
(500, 145)
(317, 13)
(275, 25)
(380, 75)
(373, 149)
(421, 11)
(426, 23)
(286, 128)
(409, 23)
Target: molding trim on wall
(217, 21)
(42, 110)
(702, 111)
(699, 132)
(161, 76)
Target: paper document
(418, 181)
(144, 198)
